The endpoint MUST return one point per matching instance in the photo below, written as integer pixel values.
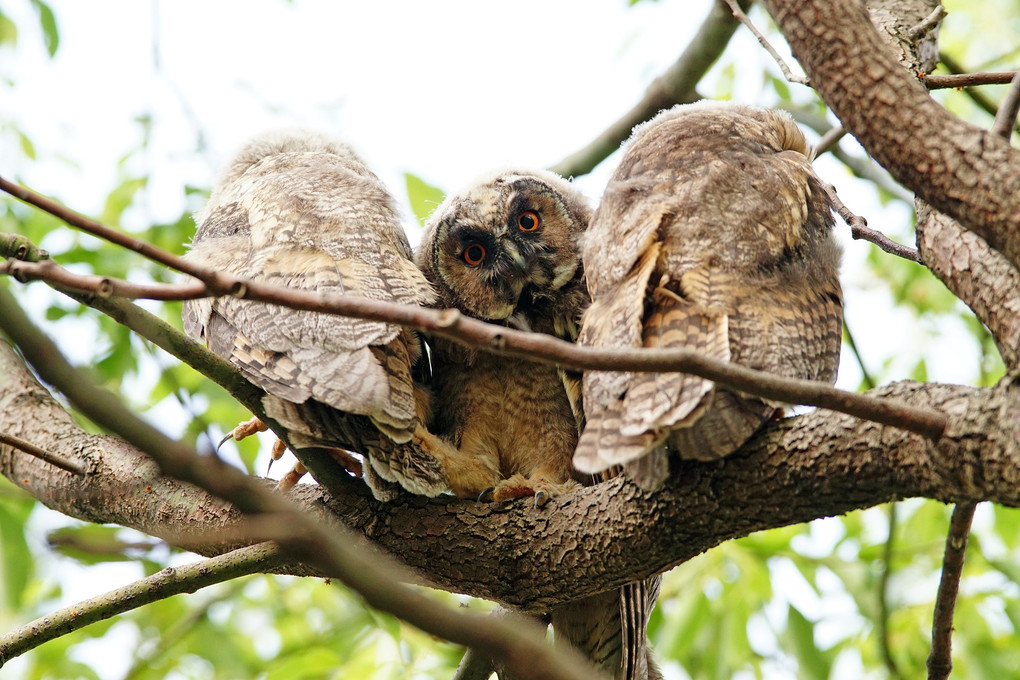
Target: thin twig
(744, 19)
(869, 382)
(977, 96)
(945, 82)
(337, 552)
(166, 583)
(675, 86)
(859, 230)
(103, 286)
(1005, 117)
(42, 454)
(547, 349)
(827, 141)
(927, 24)
(96, 229)
(940, 661)
(883, 597)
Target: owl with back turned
(298, 209)
(506, 251)
(714, 234)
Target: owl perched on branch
(506, 251)
(301, 210)
(715, 235)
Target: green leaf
(779, 85)
(121, 198)
(48, 23)
(27, 147)
(14, 554)
(422, 196)
(8, 31)
(812, 662)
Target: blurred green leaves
(423, 197)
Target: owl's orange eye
(474, 254)
(528, 221)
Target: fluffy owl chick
(298, 209)
(506, 251)
(715, 235)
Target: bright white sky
(445, 90)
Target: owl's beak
(518, 264)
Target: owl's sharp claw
(541, 498)
(487, 495)
(230, 435)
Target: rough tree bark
(816, 465)
(963, 171)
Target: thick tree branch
(335, 552)
(675, 86)
(958, 168)
(816, 465)
(166, 583)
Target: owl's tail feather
(602, 444)
(610, 629)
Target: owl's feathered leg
(541, 486)
(467, 475)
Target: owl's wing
(640, 418)
(312, 219)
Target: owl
(298, 209)
(714, 234)
(506, 251)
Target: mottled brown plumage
(508, 422)
(714, 234)
(506, 251)
(301, 210)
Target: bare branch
(944, 82)
(1005, 117)
(744, 19)
(675, 86)
(547, 349)
(106, 233)
(927, 24)
(340, 554)
(982, 100)
(827, 141)
(940, 661)
(166, 583)
(42, 454)
(103, 286)
(859, 229)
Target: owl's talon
(541, 498)
(230, 435)
(487, 495)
